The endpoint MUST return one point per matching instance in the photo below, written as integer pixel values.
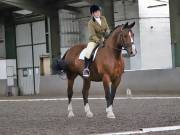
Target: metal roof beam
(31, 5)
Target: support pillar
(10, 36)
(175, 30)
(54, 37)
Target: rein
(117, 49)
(122, 48)
(122, 44)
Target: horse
(107, 67)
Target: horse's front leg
(114, 86)
(108, 96)
(85, 93)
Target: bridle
(117, 49)
(122, 45)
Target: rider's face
(97, 13)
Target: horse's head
(126, 39)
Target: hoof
(71, 114)
(111, 115)
(89, 114)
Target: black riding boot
(86, 72)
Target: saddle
(93, 53)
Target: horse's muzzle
(133, 51)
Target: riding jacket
(98, 32)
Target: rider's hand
(106, 35)
(102, 42)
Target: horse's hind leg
(70, 94)
(85, 92)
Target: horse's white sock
(109, 109)
(87, 108)
(70, 107)
(110, 113)
(88, 111)
(70, 111)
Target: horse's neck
(112, 45)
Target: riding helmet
(94, 8)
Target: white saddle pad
(82, 54)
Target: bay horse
(107, 67)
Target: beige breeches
(89, 49)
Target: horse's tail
(59, 65)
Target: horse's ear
(131, 25)
(125, 25)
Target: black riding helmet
(94, 8)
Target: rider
(98, 29)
